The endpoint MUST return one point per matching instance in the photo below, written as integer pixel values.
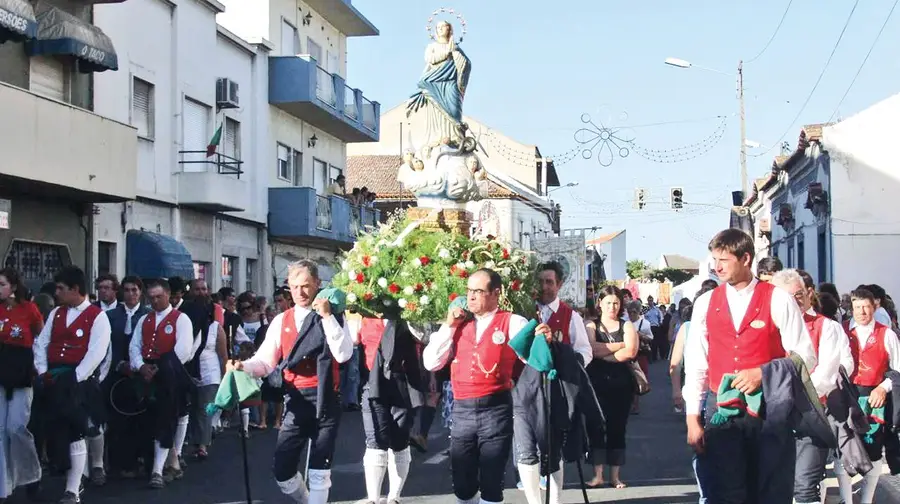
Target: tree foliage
(676, 276)
(637, 268)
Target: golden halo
(429, 26)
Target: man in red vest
(832, 351)
(160, 345)
(476, 345)
(736, 329)
(876, 350)
(567, 326)
(309, 342)
(69, 349)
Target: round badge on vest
(169, 329)
(757, 324)
(498, 338)
(871, 340)
(79, 333)
(16, 331)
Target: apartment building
(196, 94)
(61, 156)
(313, 114)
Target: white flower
(351, 297)
(461, 266)
(489, 265)
(417, 262)
(382, 243)
(409, 290)
(387, 302)
(374, 259)
(344, 264)
(382, 282)
(423, 300)
(470, 265)
(401, 303)
(351, 275)
(404, 274)
(505, 271)
(443, 253)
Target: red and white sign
(4, 220)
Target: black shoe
(70, 498)
(33, 490)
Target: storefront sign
(5, 210)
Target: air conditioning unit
(227, 94)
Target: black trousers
(301, 426)
(809, 470)
(480, 440)
(387, 427)
(659, 349)
(752, 465)
(615, 388)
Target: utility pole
(740, 76)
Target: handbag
(642, 384)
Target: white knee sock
(245, 419)
(78, 458)
(95, 448)
(531, 482)
(160, 455)
(374, 464)
(180, 434)
(319, 484)
(398, 470)
(556, 483)
(870, 483)
(295, 488)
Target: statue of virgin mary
(442, 89)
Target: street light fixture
(570, 184)
(680, 63)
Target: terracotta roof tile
(814, 131)
(779, 160)
(603, 238)
(378, 173)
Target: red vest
(370, 333)
(872, 362)
(305, 374)
(69, 345)
(158, 339)
(560, 320)
(756, 342)
(483, 368)
(814, 325)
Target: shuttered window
(231, 145)
(314, 50)
(298, 169)
(290, 43)
(142, 107)
(320, 176)
(195, 135)
(48, 77)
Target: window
(290, 165)
(195, 135)
(334, 173)
(49, 76)
(290, 43)
(106, 258)
(801, 252)
(790, 253)
(232, 142)
(201, 271)
(250, 274)
(314, 50)
(320, 175)
(284, 162)
(36, 262)
(227, 272)
(298, 169)
(822, 255)
(142, 108)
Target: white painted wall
(614, 262)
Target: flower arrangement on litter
(403, 270)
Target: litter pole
(547, 410)
(246, 464)
(581, 480)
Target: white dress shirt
(891, 344)
(184, 338)
(834, 352)
(110, 306)
(97, 350)
(270, 352)
(129, 316)
(577, 333)
(785, 315)
(440, 345)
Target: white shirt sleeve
(580, 341)
(41, 343)
(437, 352)
(789, 320)
(184, 338)
(97, 349)
(266, 358)
(517, 322)
(892, 345)
(844, 343)
(696, 358)
(137, 341)
(824, 377)
(338, 338)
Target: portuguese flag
(214, 142)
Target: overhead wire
(859, 70)
(787, 130)
(777, 28)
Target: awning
(153, 255)
(17, 21)
(64, 34)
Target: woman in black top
(615, 344)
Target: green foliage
(403, 270)
(636, 268)
(676, 276)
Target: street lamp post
(570, 184)
(680, 63)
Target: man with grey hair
(310, 342)
(832, 348)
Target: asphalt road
(658, 468)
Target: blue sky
(537, 67)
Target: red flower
(463, 274)
(394, 288)
(419, 287)
(465, 255)
(505, 254)
(453, 296)
(400, 260)
(367, 261)
(515, 285)
(411, 306)
(453, 269)
(368, 296)
(360, 278)
(424, 260)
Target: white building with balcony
(61, 155)
(201, 200)
(313, 113)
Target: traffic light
(640, 198)
(677, 200)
